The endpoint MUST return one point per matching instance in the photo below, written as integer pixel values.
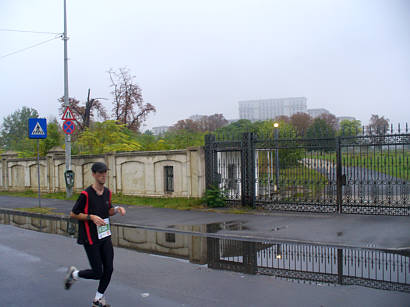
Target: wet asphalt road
(385, 232)
(33, 264)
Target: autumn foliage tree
(186, 124)
(129, 108)
(301, 122)
(330, 120)
(203, 124)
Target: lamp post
(276, 126)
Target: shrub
(214, 197)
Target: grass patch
(179, 203)
(34, 194)
(240, 210)
(393, 163)
(42, 210)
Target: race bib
(104, 231)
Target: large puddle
(322, 264)
(208, 244)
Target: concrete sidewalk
(384, 232)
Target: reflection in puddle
(373, 268)
(322, 264)
(230, 225)
(215, 227)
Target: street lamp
(276, 126)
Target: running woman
(93, 209)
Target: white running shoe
(100, 303)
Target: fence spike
(398, 128)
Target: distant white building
(265, 109)
(317, 112)
(160, 130)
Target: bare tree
(378, 125)
(129, 107)
(84, 113)
(91, 105)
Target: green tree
(55, 137)
(108, 136)
(239, 127)
(180, 139)
(289, 154)
(320, 129)
(321, 134)
(350, 127)
(14, 130)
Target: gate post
(210, 161)
(248, 169)
(339, 178)
(340, 266)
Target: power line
(27, 31)
(29, 47)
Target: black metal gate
(365, 174)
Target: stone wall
(130, 173)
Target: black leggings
(101, 257)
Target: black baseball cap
(99, 167)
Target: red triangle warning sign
(68, 115)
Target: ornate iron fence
(313, 263)
(366, 174)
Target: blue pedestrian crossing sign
(37, 128)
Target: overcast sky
(201, 57)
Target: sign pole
(69, 190)
(38, 172)
(37, 129)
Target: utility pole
(69, 190)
